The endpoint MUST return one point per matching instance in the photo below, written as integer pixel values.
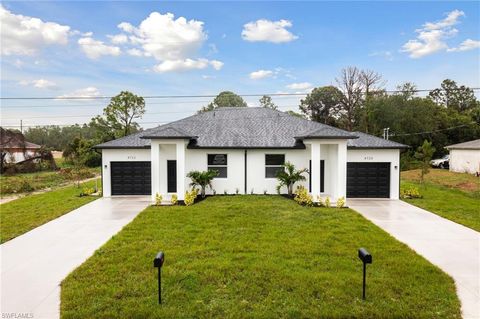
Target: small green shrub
(327, 202)
(320, 201)
(410, 192)
(25, 186)
(174, 199)
(190, 197)
(303, 197)
(158, 199)
(341, 202)
(86, 191)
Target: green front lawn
(453, 204)
(24, 214)
(28, 182)
(255, 257)
(455, 196)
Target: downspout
(245, 186)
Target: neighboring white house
(247, 146)
(465, 157)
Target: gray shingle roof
(470, 145)
(241, 127)
(369, 141)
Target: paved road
(34, 264)
(452, 247)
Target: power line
(435, 131)
(206, 96)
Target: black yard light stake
(366, 258)
(158, 263)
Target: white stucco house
(247, 145)
(465, 157)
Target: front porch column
(315, 173)
(181, 170)
(155, 167)
(341, 190)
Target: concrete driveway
(34, 264)
(450, 246)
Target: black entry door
(322, 176)
(172, 176)
(368, 180)
(131, 178)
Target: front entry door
(172, 176)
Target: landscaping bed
(24, 214)
(255, 256)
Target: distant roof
(246, 127)
(14, 139)
(471, 145)
(16, 144)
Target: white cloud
(432, 36)
(181, 65)
(268, 31)
(450, 20)
(39, 84)
(217, 65)
(118, 38)
(23, 35)
(90, 91)
(387, 55)
(300, 86)
(172, 42)
(165, 37)
(135, 52)
(466, 45)
(125, 26)
(260, 74)
(95, 48)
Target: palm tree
(289, 176)
(202, 179)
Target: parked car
(442, 162)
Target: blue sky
(246, 47)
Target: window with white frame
(218, 162)
(273, 164)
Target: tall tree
(322, 104)
(266, 101)
(407, 90)
(224, 99)
(453, 96)
(118, 117)
(373, 85)
(351, 84)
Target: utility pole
(21, 126)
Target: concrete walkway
(450, 246)
(34, 264)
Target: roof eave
(168, 137)
(309, 137)
(379, 147)
(99, 147)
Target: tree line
(358, 102)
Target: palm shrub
(202, 179)
(289, 176)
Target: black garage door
(368, 180)
(131, 178)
